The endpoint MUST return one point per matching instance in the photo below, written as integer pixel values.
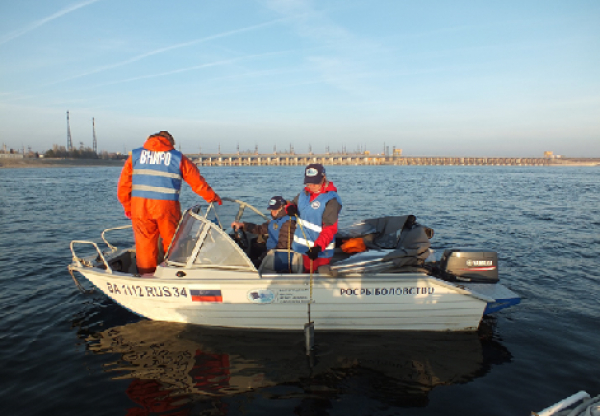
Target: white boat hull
(210, 277)
(411, 301)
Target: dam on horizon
(286, 159)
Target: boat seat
(124, 262)
(276, 261)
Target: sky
(509, 78)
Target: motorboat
(214, 276)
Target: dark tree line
(62, 152)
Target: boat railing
(242, 206)
(113, 248)
(80, 262)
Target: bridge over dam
(359, 159)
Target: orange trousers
(146, 232)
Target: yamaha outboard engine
(470, 265)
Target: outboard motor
(470, 265)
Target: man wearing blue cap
(280, 227)
(317, 207)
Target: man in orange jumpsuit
(149, 189)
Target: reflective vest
(274, 228)
(311, 221)
(156, 175)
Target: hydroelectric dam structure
(360, 159)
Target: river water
(68, 353)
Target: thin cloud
(169, 48)
(10, 36)
(175, 71)
(347, 57)
(192, 68)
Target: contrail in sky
(192, 68)
(43, 21)
(170, 48)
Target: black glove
(313, 252)
(291, 210)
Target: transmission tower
(69, 141)
(95, 143)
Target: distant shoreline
(9, 163)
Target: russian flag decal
(206, 296)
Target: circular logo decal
(470, 263)
(315, 205)
(311, 172)
(261, 296)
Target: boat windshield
(201, 242)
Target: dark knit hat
(166, 135)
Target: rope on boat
(309, 327)
(289, 246)
(311, 264)
(79, 286)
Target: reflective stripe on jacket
(156, 174)
(311, 221)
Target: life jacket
(354, 245)
(156, 175)
(274, 230)
(310, 222)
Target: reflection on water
(178, 368)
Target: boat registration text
(148, 291)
